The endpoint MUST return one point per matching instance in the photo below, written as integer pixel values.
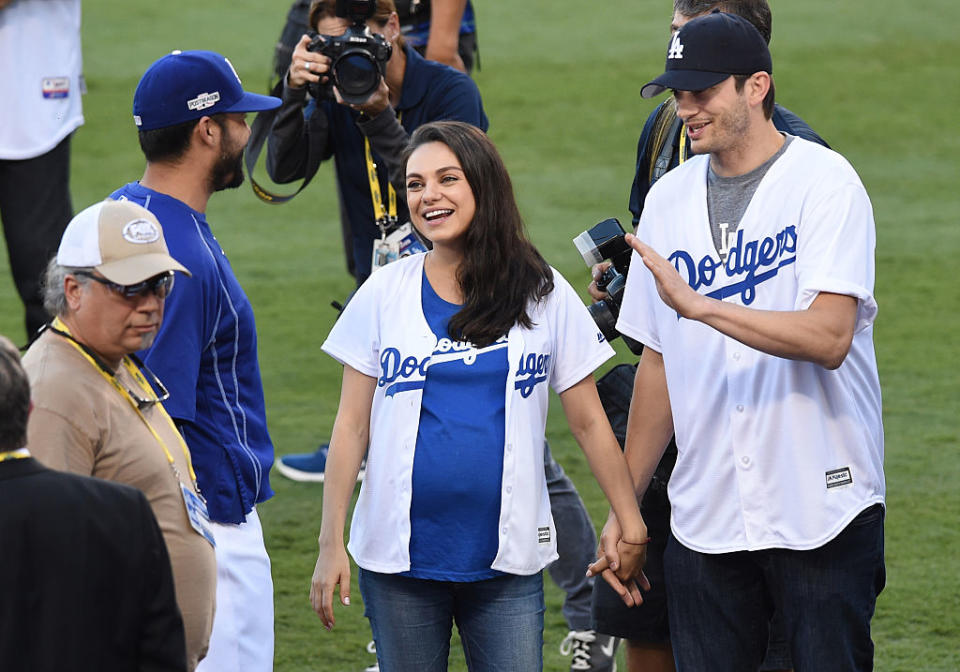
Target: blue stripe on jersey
(206, 354)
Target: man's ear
(207, 132)
(757, 87)
(73, 291)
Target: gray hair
(54, 298)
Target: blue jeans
(576, 544)
(720, 604)
(500, 622)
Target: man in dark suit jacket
(85, 581)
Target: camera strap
(385, 216)
(259, 130)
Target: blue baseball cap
(707, 50)
(186, 85)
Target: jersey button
(745, 461)
(739, 408)
(509, 489)
(736, 356)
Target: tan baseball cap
(122, 240)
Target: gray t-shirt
(728, 198)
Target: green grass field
(879, 80)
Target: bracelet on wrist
(638, 543)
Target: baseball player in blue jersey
(190, 109)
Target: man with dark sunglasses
(97, 408)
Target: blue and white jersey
(458, 460)
(41, 76)
(772, 453)
(206, 355)
(383, 334)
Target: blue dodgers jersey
(458, 462)
(206, 355)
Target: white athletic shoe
(372, 648)
(591, 651)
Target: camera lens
(357, 76)
(605, 317)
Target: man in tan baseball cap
(109, 279)
(98, 410)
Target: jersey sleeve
(580, 348)
(835, 247)
(637, 308)
(354, 340)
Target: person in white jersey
(41, 83)
(449, 357)
(753, 297)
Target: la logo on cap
(676, 48)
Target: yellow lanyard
(683, 143)
(145, 386)
(18, 454)
(382, 214)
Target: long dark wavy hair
(501, 271)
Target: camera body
(358, 57)
(605, 241)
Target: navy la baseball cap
(707, 50)
(186, 85)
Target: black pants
(35, 208)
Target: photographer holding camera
(365, 134)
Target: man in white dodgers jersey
(756, 316)
(41, 83)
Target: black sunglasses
(160, 285)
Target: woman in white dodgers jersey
(447, 357)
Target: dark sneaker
(309, 466)
(590, 650)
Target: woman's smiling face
(440, 200)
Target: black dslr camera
(359, 58)
(606, 241)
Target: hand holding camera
(348, 64)
(605, 250)
(307, 67)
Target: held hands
(621, 563)
(671, 287)
(333, 568)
